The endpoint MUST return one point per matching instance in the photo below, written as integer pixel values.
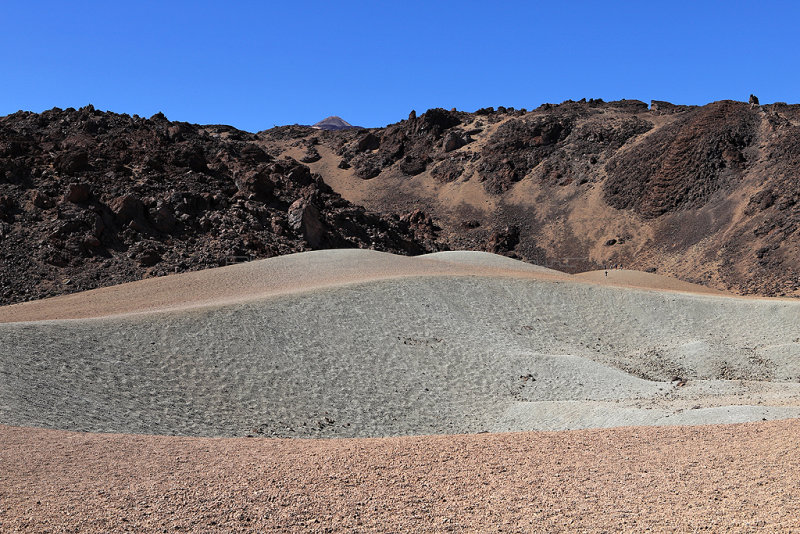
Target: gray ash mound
(91, 198)
(444, 347)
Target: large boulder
(368, 142)
(412, 166)
(304, 218)
(77, 193)
(453, 141)
(127, 208)
(257, 183)
(72, 161)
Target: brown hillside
(707, 194)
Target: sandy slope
(399, 346)
(628, 278)
(358, 343)
(737, 478)
(264, 278)
(301, 272)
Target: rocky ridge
(91, 198)
(709, 194)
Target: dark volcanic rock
(156, 197)
(311, 155)
(71, 162)
(453, 141)
(661, 107)
(77, 193)
(408, 142)
(412, 166)
(708, 194)
(688, 160)
(255, 182)
(127, 208)
(368, 142)
(303, 217)
(518, 146)
(503, 241)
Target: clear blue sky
(257, 64)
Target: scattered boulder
(72, 161)
(304, 218)
(77, 193)
(191, 156)
(368, 142)
(7, 205)
(257, 183)
(503, 241)
(127, 208)
(163, 218)
(254, 154)
(412, 166)
(311, 155)
(448, 170)
(147, 253)
(453, 141)
(42, 201)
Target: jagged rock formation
(705, 193)
(89, 199)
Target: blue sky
(259, 64)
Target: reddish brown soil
(739, 478)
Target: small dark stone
(77, 193)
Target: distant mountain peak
(333, 123)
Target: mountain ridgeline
(709, 194)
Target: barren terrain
(706, 194)
(453, 390)
(183, 390)
(722, 478)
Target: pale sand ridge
(264, 278)
(298, 272)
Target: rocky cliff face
(89, 199)
(708, 194)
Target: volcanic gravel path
(724, 478)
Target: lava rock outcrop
(90, 198)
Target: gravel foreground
(723, 478)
